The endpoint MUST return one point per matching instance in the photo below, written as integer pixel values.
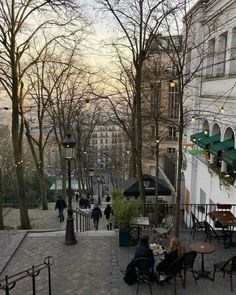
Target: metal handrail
(9, 282)
(82, 220)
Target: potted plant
(124, 210)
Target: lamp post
(99, 197)
(91, 173)
(69, 144)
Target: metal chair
(212, 234)
(175, 270)
(165, 227)
(144, 268)
(189, 259)
(197, 225)
(227, 267)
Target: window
(188, 62)
(173, 107)
(221, 58)
(172, 133)
(171, 150)
(210, 58)
(155, 97)
(232, 65)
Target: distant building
(160, 108)
(109, 148)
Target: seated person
(176, 250)
(143, 250)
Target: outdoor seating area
(209, 250)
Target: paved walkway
(92, 266)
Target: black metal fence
(10, 282)
(82, 220)
(201, 211)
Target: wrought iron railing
(82, 220)
(201, 211)
(10, 281)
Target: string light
(193, 119)
(222, 110)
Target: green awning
(195, 137)
(230, 157)
(205, 142)
(196, 152)
(214, 149)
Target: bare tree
(17, 35)
(139, 22)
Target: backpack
(130, 274)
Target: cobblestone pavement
(92, 266)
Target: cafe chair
(197, 225)
(144, 268)
(227, 267)
(189, 259)
(212, 234)
(165, 227)
(175, 270)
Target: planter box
(124, 238)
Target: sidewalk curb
(11, 249)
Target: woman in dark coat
(108, 212)
(175, 250)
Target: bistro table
(228, 220)
(139, 222)
(203, 248)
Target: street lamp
(99, 197)
(91, 173)
(69, 144)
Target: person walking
(96, 215)
(60, 206)
(108, 198)
(108, 212)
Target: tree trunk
(179, 169)
(1, 208)
(139, 139)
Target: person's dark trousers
(110, 226)
(96, 224)
(61, 215)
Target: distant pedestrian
(81, 203)
(108, 212)
(60, 206)
(96, 215)
(77, 197)
(108, 198)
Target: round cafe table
(203, 248)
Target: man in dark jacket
(143, 250)
(96, 215)
(60, 205)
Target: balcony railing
(201, 211)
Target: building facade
(209, 144)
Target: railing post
(76, 220)
(7, 289)
(33, 281)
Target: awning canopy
(57, 185)
(195, 137)
(196, 152)
(130, 187)
(214, 149)
(230, 157)
(205, 142)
